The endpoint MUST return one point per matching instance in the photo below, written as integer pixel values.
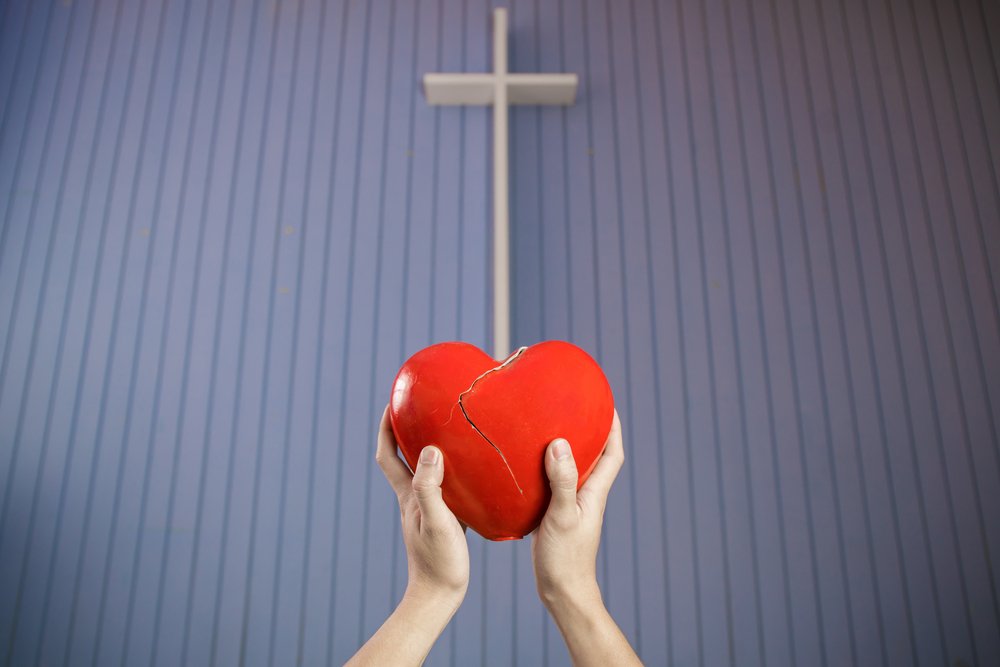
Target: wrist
(409, 633)
(579, 595)
(578, 611)
(436, 599)
(591, 634)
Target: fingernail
(429, 456)
(561, 449)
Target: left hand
(436, 549)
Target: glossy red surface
(493, 422)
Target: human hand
(437, 553)
(564, 546)
(437, 558)
(564, 554)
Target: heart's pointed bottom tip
(504, 539)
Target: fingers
(427, 489)
(385, 454)
(598, 485)
(561, 470)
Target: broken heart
(493, 421)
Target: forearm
(591, 635)
(408, 634)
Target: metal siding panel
(755, 414)
(946, 261)
(301, 275)
(635, 300)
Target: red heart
(493, 422)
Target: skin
(564, 554)
(563, 549)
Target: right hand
(564, 546)
(437, 553)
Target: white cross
(500, 89)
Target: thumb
(427, 488)
(561, 470)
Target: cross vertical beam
(501, 201)
(500, 89)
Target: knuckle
(564, 521)
(566, 477)
(563, 483)
(382, 457)
(586, 501)
(423, 487)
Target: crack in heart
(517, 354)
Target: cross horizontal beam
(480, 89)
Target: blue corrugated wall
(226, 223)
